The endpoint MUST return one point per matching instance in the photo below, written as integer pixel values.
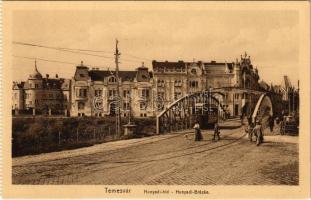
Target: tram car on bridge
(207, 115)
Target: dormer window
(112, 79)
(193, 71)
(178, 69)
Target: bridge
(207, 108)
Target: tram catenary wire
(82, 51)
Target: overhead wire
(54, 61)
(82, 51)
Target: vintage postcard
(174, 100)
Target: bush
(44, 134)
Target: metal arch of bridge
(267, 106)
(180, 115)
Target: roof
(81, 73)
(49, 83)
(168, 64)
(35, 74)
(17, 85)
(142, 75)
(127, 75)
(100, 75)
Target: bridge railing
(182, 113)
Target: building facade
(94, 92)
(41, 95)
(238, 82)
(143, 93)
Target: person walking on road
(271, 123)
(258, 132)
(216, 132)
(197, 132)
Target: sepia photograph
(157, 99)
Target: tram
(207, 115)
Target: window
(98, 92)
(30, 102)
(177, 95)
(160, 83)
(126, 106)
(112, 79)
(30, 85)
(178, 69)
(37, 102)
(112, 93)
(143, 106)
(81, 92)
(193, 71)
(177, 83)
(126, 93)
(194, 84)
(145, 93)
(80, 105)
(36, 86)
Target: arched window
(112, 79)
(193, 71)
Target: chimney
(56, 76)
(47, 75)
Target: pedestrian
(258, 132)
(197, 132)
(282, 132)
(216, 132)
(271, 123)
(249, 131)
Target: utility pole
(118, 114)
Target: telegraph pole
(118, 114)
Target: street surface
(171, 159)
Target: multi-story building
(38, 95)
(94, 92)
(238, 82)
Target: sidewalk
(108, 146)
(282, 139)
(230, 124)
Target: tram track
(109, 153)
(128, 162)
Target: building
(94, 92)
(238, 82)
(41, 95)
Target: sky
(270, 37)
